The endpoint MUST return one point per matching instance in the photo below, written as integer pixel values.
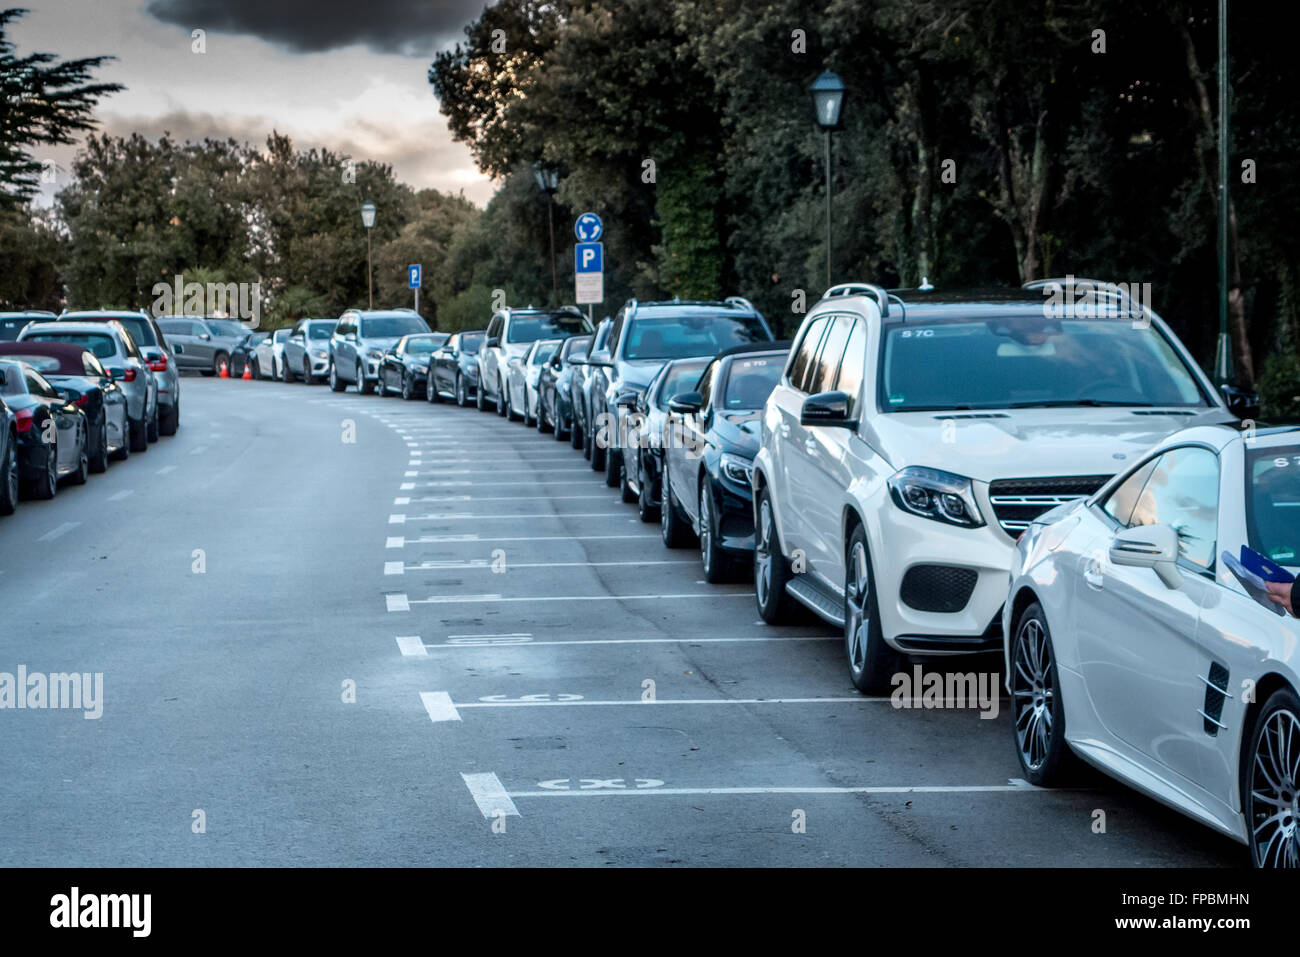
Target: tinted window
(92, 365)
(227, 328)
(45, 364)
(1119, 504)
(677, 378)
(470, 341)
(140, 329)
(705, 388)
(828, 358)
(36, 385)
(390, 327)
(1273, 502)
(854, 366)
(751, 381)
(320, 330)
(1183, 492)
(175, 328)
(1032, 361)
(691, 334)
(807, 349)
(11, 326)
(528, 328)
(541, 353)
(280, 335)
(13, 379)
(420, 346)
(102, 346)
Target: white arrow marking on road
(411, 646)
(439, 706)
(489, 795)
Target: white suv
(915, 435)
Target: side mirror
(1149, 546)
(1241, 403)
(827, 408)
(685, 403)
(205, 336)
(351, 337)
(494, 342)
(627, 398)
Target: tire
(559, 428)
(872, 663)
(124, 453)
(45, 487)
(613, 466)
(1038, 714)
(771, 570)
(170, 421)
(430, 390)
(1268, 779)
(576, 433)
(219, 361)
(503, 401)
(529, 421)
(99, 463)
(307, 377)
(598, 451)
(152, 429)
(82, 473)
(363, 387)
(646, 511)
(718, 566)
(285, 375)
(137, 435)
(257, 370)
(9, 478)
(462, 395)
(674, 530)
(480, 401)
(336, 384)
(587, 449)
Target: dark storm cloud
(312, 26)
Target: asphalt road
(499, 614)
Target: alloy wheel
(857, 599)
(1032, 693)
(763, 553)
(1274, 800)
(706, 530)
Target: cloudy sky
(350, 76)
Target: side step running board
(816, 600)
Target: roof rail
(1093, 285)
(860, 289)
(740, 301)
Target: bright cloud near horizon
(347, 77)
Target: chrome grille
(1017, 502)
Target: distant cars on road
(52, 432)
(555, 387)
(202, 344)
(12, 323)
(405, 367)
(509, 335)
(643, 455)
(453, 368)
(158, 356)
(524, 375)
(360, 340)
(307, 351)
(268, 355)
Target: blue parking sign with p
(589, 257)
(413, 277)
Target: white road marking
(444, 539)
(406, 487)
(518, 635)
(467, 517)
(397, 602)
(1011, 787)
(58, 532)
(439, 706)
(410, 475)
(165, 469)
(402, 500)
(493, 599)
(575, 468)
(396, 519)
(411, 646)
(451, 643)
(480, 564)
(856, 699)
(489, 795)
(118, 496)
(505, 498)
(394, 568)
(397, 542)
(198, 449)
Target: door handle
(1092, 574)
(810, 446)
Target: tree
(43, 101)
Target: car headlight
(375, 353)
(935, 494)
(737, 468)
(318, 353)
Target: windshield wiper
(1090, 403)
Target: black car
(8, 460)
(453, 369)
(554, 388)
(710, 441)
(405, 366)
(79, 376)
(643, 450)
(589, 381)
(51, 430)
(241, 357)
(644, 336)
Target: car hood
(384, 344)
(738, 432)
(1026, 442)
(637, 373)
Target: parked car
(509, 335)
(453, 368)
(588, 379)
(307, 350)
(80, 378)
(360, 340)
(9, 474)
(244, 355)
(268, 355)
(523, 377)
(708, 453)
(405, 367)
(117, 351)
(914, 435)
(643, 452)
(158, 356)
(51, 430)
(11, 323)
(644, 336)
(203, 344)
(1130, 642)
(554, 387)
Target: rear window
(532, 328)
(140, 328)
(10, 326)
(751, 381)
(693, 334)
(421, 346)
(543, 353)
(102, 346)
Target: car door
(692, 441)
(443, 364)
(790, 461)
(63, 413)
(1137, 637)
(180, 337)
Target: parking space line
(498, 599)
(438, 705)
(608, 496)
(394, 568)
(58, 531)
(489, 795)
(411, 646)
(165, 469)
(1014, 786)
(856, 699)
(447, 539)
(198, 450)
(518, 640)
(397, 602)
(467, 517)
(118, 496)
(484, 564)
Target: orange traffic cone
(225, 371)
(248, 372)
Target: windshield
(694, 334)
(391, 327)
(320, 330)
(543, 352)
(420, 347)
(680, 377)
(751, 381)
(1273, 502)
(102, 346)
(227, 328)
(1032, 361)
(470, 341)
(525, 328)
(10, 326)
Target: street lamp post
(828, 100)
(1223, 355)
(368, 220)
(547, 176)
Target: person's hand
(1280, 592)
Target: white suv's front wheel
(872, 663)
(771, 570)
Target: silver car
(360, 340)
(269, 355)
(158, 356)
(203, 344)
(118, 353)
(523, 374)
(11, 323)
(307, 350)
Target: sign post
(413, 281)
(588, 261)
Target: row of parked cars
(78, 390)
(942, 474)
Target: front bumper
(735, 513)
